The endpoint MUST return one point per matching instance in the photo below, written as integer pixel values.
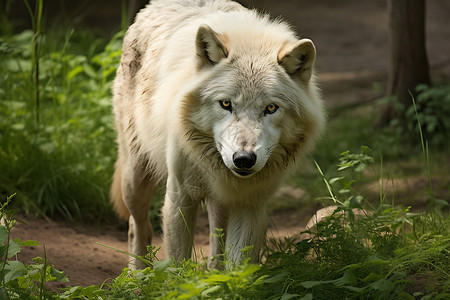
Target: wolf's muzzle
(244, 161)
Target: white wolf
(218, 103)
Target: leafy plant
(19, 281)
(431, 109)
(65, 160)
(379, 252)
(374, 252)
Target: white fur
(180, 58)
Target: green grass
(386, 252)
(62, 160)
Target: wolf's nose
(244, 160)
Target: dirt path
(352, 42)
(75, 248)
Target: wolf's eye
(270, 109)
(225, 104)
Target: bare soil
(352, 53)
(84, 252)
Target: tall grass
(36, 17)
(386, 252)
(56, 128)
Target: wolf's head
(257, 101)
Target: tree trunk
(133, 8)
(408, 57)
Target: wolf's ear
(298, 59)
(211, 47)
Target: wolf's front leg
(179, 216)
(246, 227)
(218, 219)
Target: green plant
(36, 17)
(379, 252)
(61, 163)
(431, 108)
(340, 189)
(19, 281)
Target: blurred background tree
(408, 56)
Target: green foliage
(19, 281)
(187, 280)
(340, 188)
(357, 252)
(431, 109)
(65, 160)
(358, 161)
(373, 253)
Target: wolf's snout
(244, 160)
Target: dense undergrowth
(58, 157)
(380, 252)
(57, 153)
